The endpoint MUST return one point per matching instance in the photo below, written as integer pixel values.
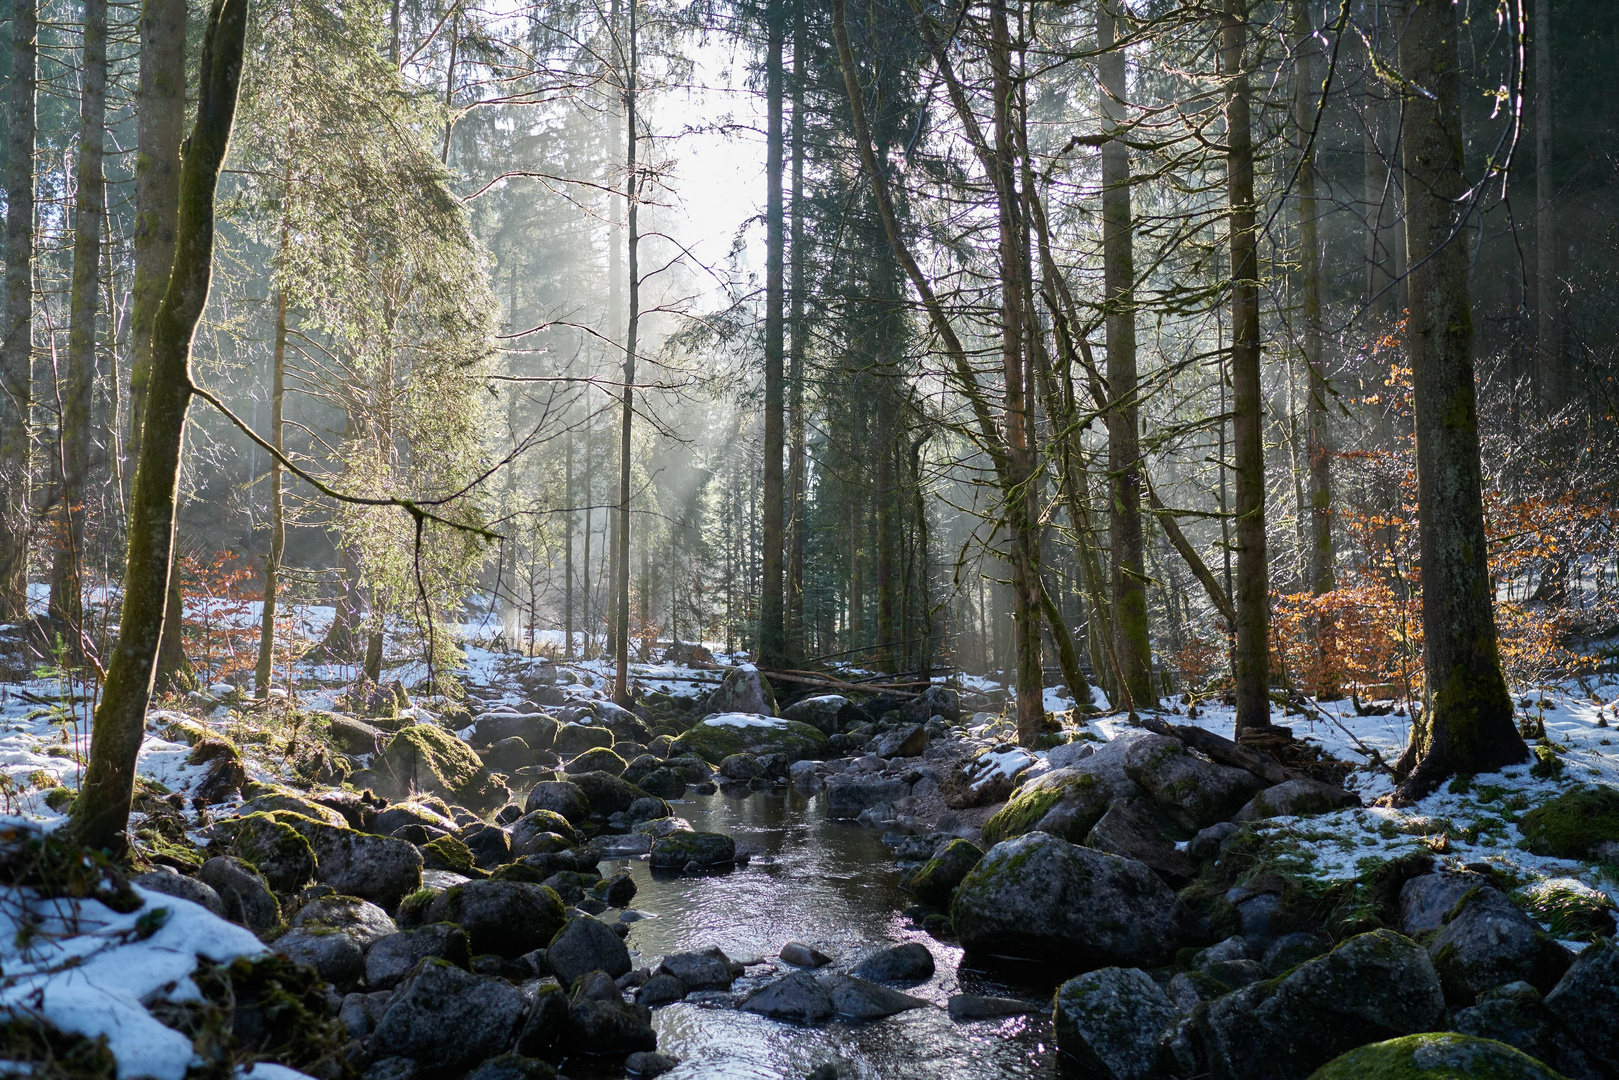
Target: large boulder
(1586, 1002)
(680, 849)
(585, 945)
(527, 831)
(362, 921)
(826, 713)
(1128, 830)
(1440, 1055)
(1516, 1014)
(1063, 802)
(1487, 942)
(742, 690)
(272, 847)
(861, 1000)
(1041, 898)
(424, 757)
(244, 895)
(376, 868)
(164, 879)
(391, 958)
(537, 730)
(1296, 798)
(1425, 900)
(606, 793)
(938, 877)
(572, 739)
(718, 737)
(353, 736)
(938, 701)
(794, 996)
(1109, 1022)
(560, 797)
(905, 742)
(449, 1017)
(336, 956)
(849, 793)
(602, 1022)
(508, 918)
(1374, 986)
(1574, 823)
(1194, 791)
(599, 759)
(910, 962)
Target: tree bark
(1251, 657)
(1553, 378)
(262, 673)
(797, 479)
(772, 631)
(1129, 575)
(75, 385)
(1318, 449)
(621, 642)
(101, 812)
(1466, 725)
(17, 346)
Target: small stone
(336, 956)
(181, 887)
(649, 1063)
(862, 1000)
(978, 1007)
(661, 989)
(910, 962)
(802, 955)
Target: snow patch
(744, 720)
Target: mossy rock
(1435, 1056)
(272, 847)
(1572, 824)
(940, 875)
(679, 849)
(597, 759)
(447, 853)
(425, 758)
(267, 1008)
(718, 737)
(1064, 803)
(36, 1049)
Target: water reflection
(830, 884)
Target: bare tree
(17, 345)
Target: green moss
(1547, 766)
(447, 853)
(1573, 823)
(425, 758)
(716, 742)
(264, 1009)
(56, 867)
(40, 1051)
(1030, 803)
(271, 846)
(1435, 1056)
(598, 759)
(1570, 910)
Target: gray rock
(392, 1068)
(697, 970)
(1290, 950)
(1516, 1015)
(399, 815)
(795, 996)
(830, 713)
(1374, 986)
(574, 739)
(1487, 941)
(490, 845)
(938, 701)
(1426, 900)
(528, 832)
(584, 945)
(1067, 756)
(607, 1025)
(391, 958)
(1440, 1055)
(938, 877)
(661, 990)
(506, 918)
(978, 1007)
(1296, 798)
(848, 794)
(1127, 831)
(560, 797)
(170, 883)
(537, 730)
(513, 1067)
(910, 962)
(740, 767)
(508, 755)
(743, 690)
(353, 736)
(1063, 802)
(377, 868)
(680, 849)
(364, 922)
(861, 1000)
(450, 1017)
(1208, 844)
(796, 952)
(244, 895)
(1109, 1021)
(907, 742)
(1038, 897)
(1189, 989)
(649, 1063)
(333, 953)
(547, 1019)
(1586, 1002)
(359, 1013)
(606, 793)
(1194, 791)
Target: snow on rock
(86, 969)
(742, 720)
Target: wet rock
(513, 1067)
(537, 730)
(1586, 1002)
(977, 1007)
(795, 996)
(508, 755)
(1038, 897)
(649, 1063)
(1436, 1056)
(1487, 941)
(905, 743)
(697, 970)
(272, 847)
(802, 955)
(938, 877)
(424, 757)
(490, 845)
(1296, 798)
(663, 783)
(560, 797)
(527, 832)
(507, 918)
(1374, 986)
(910, 962)
(617, 890)
(391, 958)
(861, 1000)
(1126, 830)
(450, 1017)
(333, 953)
(661, 990)
(606, 793)
(1064, 803)
(547, 1019)
(377, 868)
(647, 808)
(718, 737)
(364, 922)
(740, 767)
(680, 849)
(1195, 792)
(938, 701)
(244, 895)
(1109, 1022)
(607, 1025)
(599, 760)
(827, 713)
(166, 881)
(584, 945)
(850, 794)
(574, 739)
(742, 690)
(1516, 1014)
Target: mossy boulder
(426, 758)
(447, 853)
(1065, 803)
(606, 794)
(1571, 825)
(681, 849)
(597, 759)
(1442, 1055)
(1194, 791)
(271, 846)
(381, 869)
(1109, 1022)
(507, 918)
(939, 876)
(718, 737)
(285, 800)
(574, 739)
(743, 690)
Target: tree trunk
(797, 479)
(262, 673)
(1251, 657)
(1129, 573)
(567, 546)
(772, 631)
(1548, 314)
(101, 812)
(1466, 725)
(1318, 449)
(621, 643)
(75, 386)
(17, 346)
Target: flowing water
(832, 885)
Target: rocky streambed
(702, 888)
